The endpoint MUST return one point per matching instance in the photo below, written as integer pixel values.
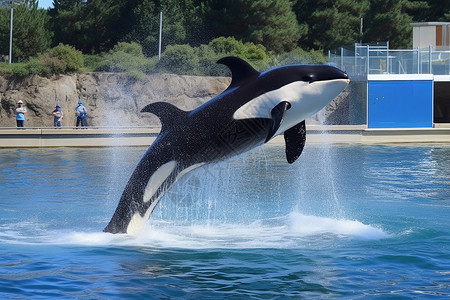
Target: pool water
(344, 221)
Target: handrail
(376, 59)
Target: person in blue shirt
(20, 114)
(81, 114)
(57, 116)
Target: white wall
(424, 36)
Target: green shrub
(20, 69)
(128, 58)
(207, 59)
(135, 75)
(122, 62)
(37, 66)
(53, 65)
(183, 59)
(124, 57)
(42, 65)
(300, 56)
(256, 55)
(5, 68)
(94, 62)
(132, 48)
(231, 46)
(179, 59)
(61, 59)
(72, 58)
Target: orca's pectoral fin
(167, 113)
(277, 113)
(295, 139)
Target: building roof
(417, 24)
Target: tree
(65, 4)
(330, 23)
(4, 30)
(274, 25)
(268, 22)
(388, 20)
(100, 25)
(181, 23)
(31, 34)
(67, 16)
(144, 29)
(429, 10)
(92, 27)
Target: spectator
(57, 116)
(81, 114)
(20, 114)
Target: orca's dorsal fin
(295, 139)
(168, 114)
(277, 114)
(240, 70)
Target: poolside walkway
(144, 136)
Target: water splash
(313, 225)
(294, 230)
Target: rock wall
(110, 98)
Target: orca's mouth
(315, 78)
(322, 73)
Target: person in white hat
(20, 114)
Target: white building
(435, 34)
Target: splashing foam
(313, 225)
(294, 230)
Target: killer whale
(253, 109)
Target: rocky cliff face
(111, 99)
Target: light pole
(10, 3)
(10, 32)
(160, 34)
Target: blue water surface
(358, 222)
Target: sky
(45, 3)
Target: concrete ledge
(406, 135)
(144, 136)
(77, 137)
(364, 135)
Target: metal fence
(363, 59)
